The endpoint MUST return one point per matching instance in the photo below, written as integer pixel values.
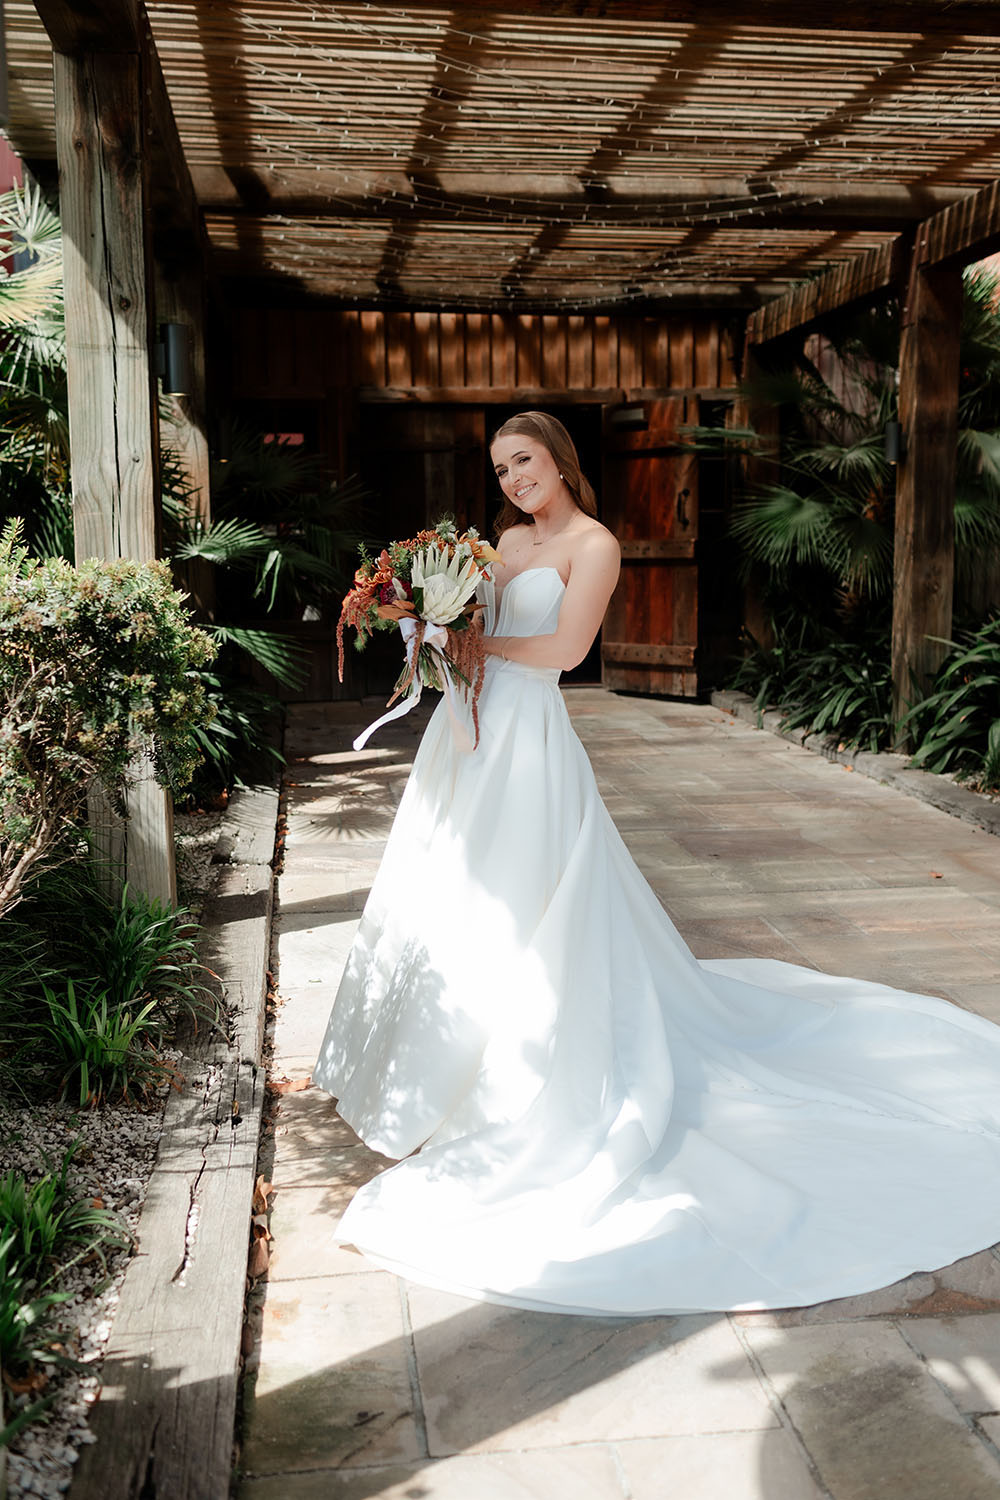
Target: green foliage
(101, 1050)
(957, 725)
(824, 683)
(240, 738)
(45, 1227)
(89, 1020)
(95, 670)
(47, 1221)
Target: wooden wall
(405, 399)
(312, 352)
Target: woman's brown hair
(551, 433)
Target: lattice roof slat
(541, 155)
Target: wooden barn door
(651, 504)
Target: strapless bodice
(529, 605)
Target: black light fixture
(173, 359)
(632, 417)
(894, 442)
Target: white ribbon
(436, 637)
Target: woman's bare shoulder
(596, 541)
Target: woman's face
(527, 472)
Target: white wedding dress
(604, 1123)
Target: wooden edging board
(892, 770)
(164, 1421)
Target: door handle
(682, 511)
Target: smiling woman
(595, 1121)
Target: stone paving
(362, 1386)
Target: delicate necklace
(553, 536)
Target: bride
(588, 1119)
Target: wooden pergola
(561, 156)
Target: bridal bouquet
(425, 587)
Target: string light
(832, 133)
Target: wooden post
(100, 132)
(925, 481)
(180, 299)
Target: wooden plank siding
(308, 351)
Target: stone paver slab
(871, 1416)
(498, 1378)
(584, 1473)
(964, 1355)
(302, 1223)
(330, 1383)
(727, 1466)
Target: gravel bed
(113, 1164)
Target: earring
(560, 476)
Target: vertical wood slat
(682, 356)
(477, 363)
(399, 348)
(527, 349)
(503, 362)
(924, 551)
(555, 350)
(629, 353)
(371, 354)
(181, 299)
(101, 131)
(426, 349)
(452, 336)
(580, 352)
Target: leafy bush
(91, 1019)
(956, 727)
(95, 669)
(825, 683)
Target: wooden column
(180, 299)
(925, 481)
(101, 124)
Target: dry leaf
(97, 1202)
(936, 875)
(259, 1258)
(262, 1190)
(289, 1085)
(258, 1227)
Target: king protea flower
(447, 583)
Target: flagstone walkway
(363, 1386)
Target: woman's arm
(593, 574)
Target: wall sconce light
(894, 443)
(632, 417)
(223, 437)
(173, 359)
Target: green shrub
(825, 683)
(95, 670)
(90, 1019)
(956, 727)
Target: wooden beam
(925, 480)
(967, 231)
(114, 437)
(909, 17)
(862, 277)
(79, 26)
(652, 201)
